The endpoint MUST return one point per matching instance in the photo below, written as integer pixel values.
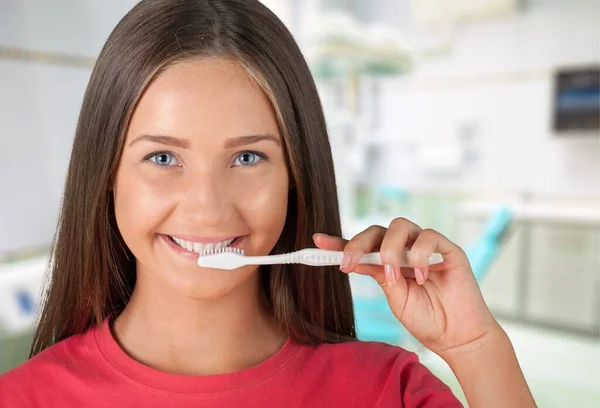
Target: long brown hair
(92, 272)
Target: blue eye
(248, 159)
(163, 159)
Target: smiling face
(202, 166)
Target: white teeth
(202, 248)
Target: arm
(489, 373)
(442, 306)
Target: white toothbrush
(232, 258)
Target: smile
(200, 247)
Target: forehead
(216, 96)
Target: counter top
(571, 213)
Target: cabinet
(548, 270)
(562, 275)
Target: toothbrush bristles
(215, 251)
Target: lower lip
(191, 254)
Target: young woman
(201, 127)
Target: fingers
(329, 242)
(332, 243)
(366, 241)
(400, 235)
(391, 242)
(428, 242)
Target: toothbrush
(232, 258)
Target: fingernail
(419, 276)
(346, 260)
(390, 275)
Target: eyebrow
(246, 140)
(166, 140)
(185, 144)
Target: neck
(171, 333)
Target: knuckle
(351, 246)
(354, 246)
(461, 251)
(399, 221)
(429, 233)
(375, 228)
(367, 233)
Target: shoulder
(383, 373)
(367, 355)
(70, 354)
(57, 365)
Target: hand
(440, 305)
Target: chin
(212, 284)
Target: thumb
(397, 295)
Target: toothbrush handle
(321, 257)
(374, 258)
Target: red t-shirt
(91, 370)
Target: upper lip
(204, 240)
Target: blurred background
(478, 118)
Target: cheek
(140, 204)
(262, 202)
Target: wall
(39, 104)
(497, 78)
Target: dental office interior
(478, 118)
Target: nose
(207, 201)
